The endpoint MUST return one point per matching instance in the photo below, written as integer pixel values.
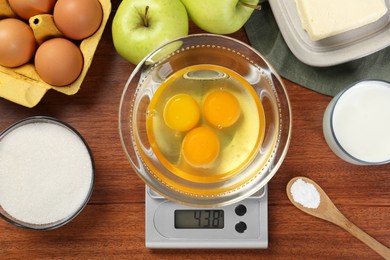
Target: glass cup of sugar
(46, 173)
(356, 123)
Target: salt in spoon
(328, 211)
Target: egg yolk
(200, 146)
(221, 108)
(181, 112)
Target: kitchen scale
(240, 225)
(172, 225)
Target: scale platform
(240, 225)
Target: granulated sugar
(305, 194)
(46, 173)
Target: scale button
(241, 227)
(240, 210)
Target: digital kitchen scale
(240, 225)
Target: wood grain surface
(112, 224)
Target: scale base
(245, 224)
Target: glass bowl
(225, 54)
(46, 173)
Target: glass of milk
(46, 173)
(356, 123)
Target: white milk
(357, 123)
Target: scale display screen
(199, 219)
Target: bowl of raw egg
(205, 120)
(47, 44)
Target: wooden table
(112, 224)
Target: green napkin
(264, 36)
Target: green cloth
(265, 37)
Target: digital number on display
(201, 219)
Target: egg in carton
(22, 85)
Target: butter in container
(23, 85)
(322, 19)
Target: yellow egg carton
(23, 85)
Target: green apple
(220, 16)
(140, 26)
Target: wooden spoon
(328, 211)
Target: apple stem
(145, 18)
(256, 7)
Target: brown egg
(58, 62)
(17, 43)
(78, 19)
(29, 8)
